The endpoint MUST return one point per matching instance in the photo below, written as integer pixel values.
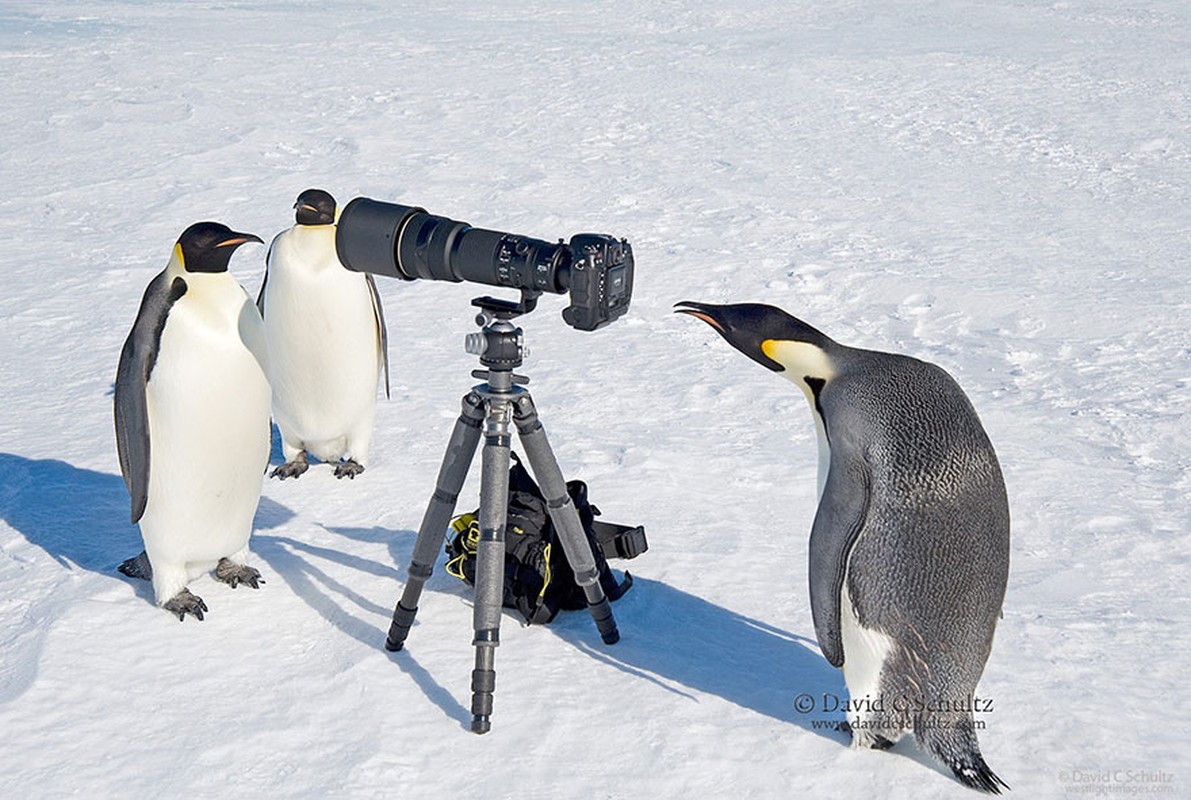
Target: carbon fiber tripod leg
(460, 450)
(563, 514)
(490, 560)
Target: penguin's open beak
(741, 326)
(701, 310)
(237, 239)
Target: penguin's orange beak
(743, 325)
(710, 320)
(240, 238)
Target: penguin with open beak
(909, 549)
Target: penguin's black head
(315, 207)
(750, 326)
(208, 246)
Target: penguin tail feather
(956, 746)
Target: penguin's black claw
(234, 574)
(348, 469)
(138, 567)
(291, 469)
(184, 603)
(872, 741)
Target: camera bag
(538, 580)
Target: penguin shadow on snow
(332, 597)
(341, 605)
(681, 642)
(688, 645)
(79, 517)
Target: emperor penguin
(192, 420)
(909, 549)
(327, 344)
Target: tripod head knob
(474, 344)
(478, 344)
(500, 345)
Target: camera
(407, 242)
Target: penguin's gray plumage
(328, 343)
(191, 416)
(909, 549)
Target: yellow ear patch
(799, 358)
(177, 263)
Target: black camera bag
(538, 580)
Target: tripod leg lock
(587, 577)
(489, 636)
(420, 571)
(403, 620)
(601, 613)
(483, 684)
(483, 680)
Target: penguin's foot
(292, 469)
(348, 469)
(138, 567)
(234, 574)
(184, 603)
(867, 740)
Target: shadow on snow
(679, 641)
(80, 517)
(675, 639)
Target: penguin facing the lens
(192, 420)
(909, 550)
(327, 344)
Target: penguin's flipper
(138, 567)
(842, 515)
(137, 359)
(260, 296)
(378, 312)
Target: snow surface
(998, 186)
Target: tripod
(489, 408)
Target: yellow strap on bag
(467, 528)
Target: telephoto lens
(408, 243)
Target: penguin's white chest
(208, 408)
(324, 343)
(824, 449)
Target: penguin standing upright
(327, 344)
(192, 420)
(909, 550)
